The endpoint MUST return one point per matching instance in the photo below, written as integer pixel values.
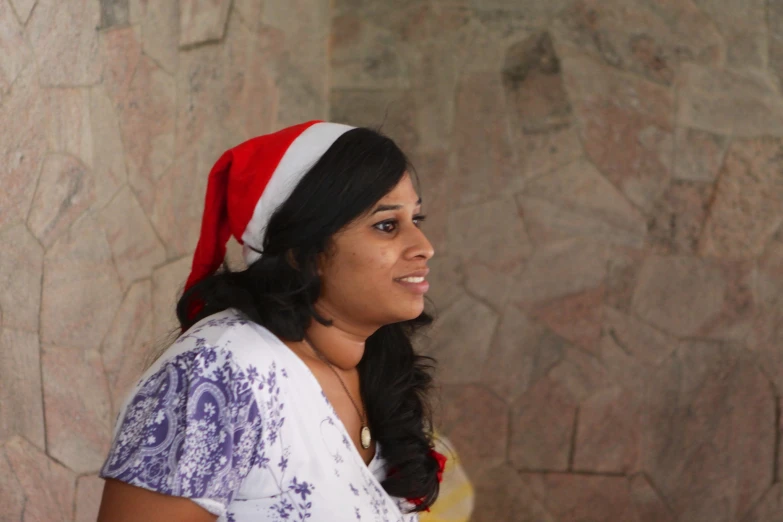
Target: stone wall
(604, 180)
(111, 115)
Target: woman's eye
(418, 220)
(386, 226)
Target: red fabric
(441, 458)
(236, 182)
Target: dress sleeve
(191, 429)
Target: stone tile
(108, 161)
(23, 8)
(678, 217)
(89, 490)
(580, 373)
(365, 56)
(432, 170)
(445, 280)
(576, 318)
(708, 432)
(522, 352)
(168, 283)
(42, 479)
(176, 213)
(65, 42)
(70, 123)
(626, 127)
(678, 294)
(744, 30)
(77, 406)
(21, 269)
(534, 85)
(65, 192)
(698, 155)
(15, 52)
(241, 71)
(81, 289)
(476, 421)
(114, 12)
(747, 208)
(128, 342)
(574, 498)
(648, 38)
(622, 273)
(559, 269)
(769, 508)
(251, 12)
(780, 440)
(202, 21)
(548, 151)
(486, 163)
(393, 111)
(135, 247)
(304, 77)
(22, 146)
(120, 55)
(630, 349)
(775, 39)
(159, 30)
(461, 338)
(607, 436)
(490, 255)
(542, 427)
(20, 387)
(650, 507)
(735, 319)
(576, 201)
(502, 495)
(11, 494)
(728, 102)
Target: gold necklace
(365, 437)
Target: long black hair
(280, 289)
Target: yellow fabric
(455, 502)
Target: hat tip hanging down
(248, 183)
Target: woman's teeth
(412, 279)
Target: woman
(293, 392)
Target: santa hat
(249, 183)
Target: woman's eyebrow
(384, 208)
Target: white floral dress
(232, 419)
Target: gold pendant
(366, 438)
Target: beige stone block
(42, 479)
(476, 421)
(65, 42)
(486, 164)
(70, 123)
(576, 318)
(127, 346)
(21, 402)
(65, 191)
(109, 171)
(542, 428)
(747, 208)
(461, 338)
(22, 145)
(15, 52)
(708, 432)
(522, 353)
(678, 217)
(89, 490)
(502, 495)
(577, 201)
(548, 151)
(650, 507)
(23, 8)
(698, 155)
(651, 39)
(769, 508)
(679, 295)
(78, 410)
(626, 125)
(21, 271)
(581, 373)
(159, 21)
(168, 283)
(744, 28)
(135, 247)
(728, 102)
(11, 494)
(202, 20)
(81, 289)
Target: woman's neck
(343, 347)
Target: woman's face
(375, 273)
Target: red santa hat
(249, 183)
